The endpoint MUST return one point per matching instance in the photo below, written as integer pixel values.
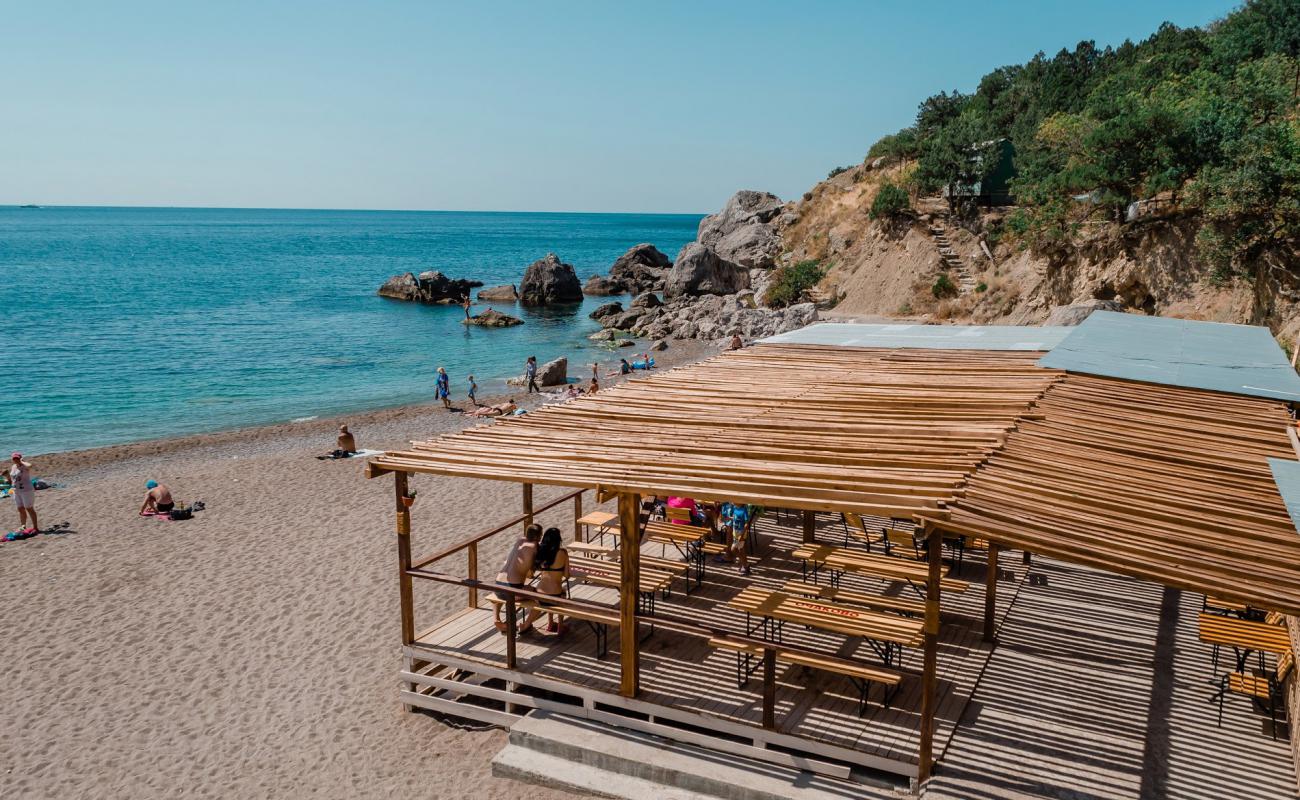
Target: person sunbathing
(157, 498)
(518, 564)
(496, 410)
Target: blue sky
(555, 106)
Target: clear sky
(552, 106)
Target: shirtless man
(20, 477)
(157, 498)
(346, 441)
(518, 565)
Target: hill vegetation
(1204, 119)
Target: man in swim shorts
(346, 444)
(518, 565)
(20, 476)
(157, 498)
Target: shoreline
(374, 428)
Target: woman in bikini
(552, 569)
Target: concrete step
(585, 756)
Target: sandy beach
(249, 652)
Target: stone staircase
(580, 755)
(951, 262)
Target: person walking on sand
(530, 372)
(157, 498)
(442, 388)
(20, 477)
(473, 390)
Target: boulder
(752, 245)
(658, 345)
(642, 268)
(799, 316)
(553, 373)
(428, 287)
(598, 285)
(504, 293)
(745, 207)
(607, 310)
(493, 319)
(626, 343)
(646, 300)
(549, 280)
(698, 271)
(1078, 312)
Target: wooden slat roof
(1164, 483)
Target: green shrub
(982, 287)
(836, 171)
(905, 310)
(943, 287)
(789, 283)
(890, 201)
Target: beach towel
(357, 454)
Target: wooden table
(841, 559)
(600, 520)
(1244, 636)
(687, 539)
(609, 573)
(884, 632)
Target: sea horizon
(143, 323)
(73, 206)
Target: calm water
(127, 324)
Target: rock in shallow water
(504, 293)
(429, 287)
(549, 280)
(493, 319)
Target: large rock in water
(1075, 314)
(698, 270)
(428, 287)
(504, 293)
(608, 309)
(641, 269)
(493, 319)
(599, 285)
(549, 280)
(742, 232)
(553, 373)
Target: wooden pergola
(1160, 483)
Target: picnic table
(1244, 636)
(839, 560)
(689, 540)
(885, 633)
(600, 520)
(609, 573)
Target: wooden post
(405, 588)
(809, 526)
(471, 572)
(577, 515)
(528, 505)
(630, 568)
(929, 679)
(510, 631)
(991, 594)
(769, 688)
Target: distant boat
(29, 205)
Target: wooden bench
(599, 621)
(862, 675)
(1265, 688)
(887, 568)
(589, 549)
(901, 605)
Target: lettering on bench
(842, 612)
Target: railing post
(510, 631)
(577, 515)
(929, 679)
(629, 642)
(404, 558)
(991, 594)
(809, 527)
(471, 572)
(769, 688)
(528, 504)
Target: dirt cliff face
(889, 269)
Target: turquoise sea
(124, 324)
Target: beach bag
(181, 513)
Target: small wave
(304, 419)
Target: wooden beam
(471, 572)
(809, 527)
(406, 594)
(528, 504)
(929, 676)
(991, 594)
(629, 642)
(577, 515)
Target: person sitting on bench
(552, 568)
(519, 563)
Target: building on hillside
(995, 188)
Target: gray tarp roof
(1286, 474)
(930, 337)
(1238, 359)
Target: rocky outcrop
(427, 287)
(1075, 314)
(493, 319)
(549, 280)
(641, 269)
(700, 271)
(710, 317)
(608, 309)
(504, 293)
(599, 285)
(647, 300)
(553, 373)
(743, 231)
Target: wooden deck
(684, 674)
